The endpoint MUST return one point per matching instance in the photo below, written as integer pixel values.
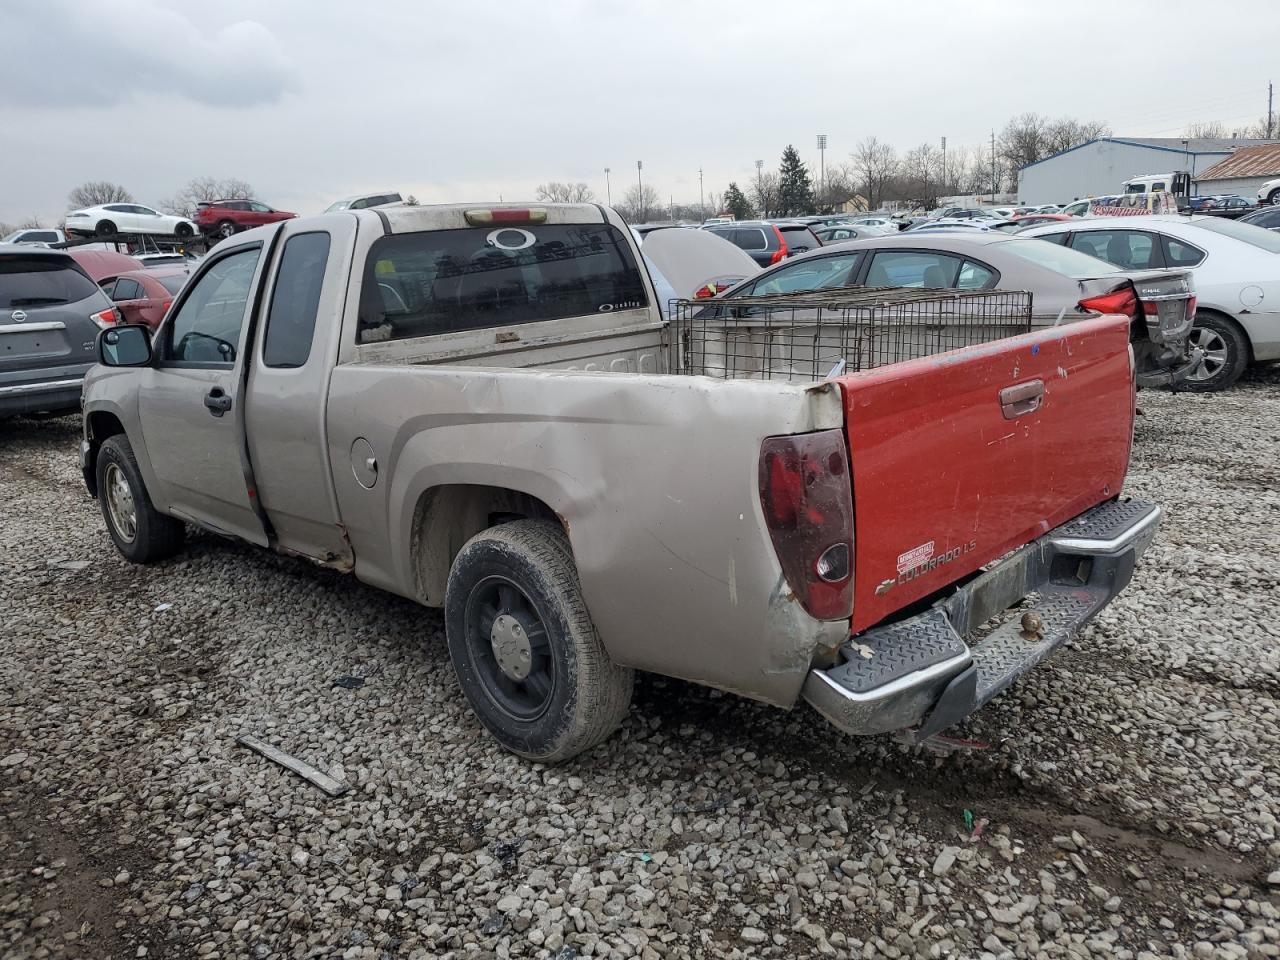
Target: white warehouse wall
(1100, 167)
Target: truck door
(294, 354)
(189, 403)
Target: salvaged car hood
(691, 259)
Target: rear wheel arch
(1220, 331)
(1228, 318)
(446, 516)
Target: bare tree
(556, 192)
(97, 192)
(875, 164)
(1210, 129)
(765, 191)
(922, 175)
(639, 205)
(1024, 140)
(187, 200)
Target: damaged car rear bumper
(924, 674)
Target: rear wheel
(140, 532)
(183, 231)
(526, 654)
(106, 228)
(1226, 353)
(226, 229)
(1274, 196)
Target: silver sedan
(1065, 285)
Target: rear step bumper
(921, 676)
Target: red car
(144, 296)
(225, 218)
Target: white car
(35, 236)
(966, 225)
(366, 200)
(110, 219)
(1269, 192)
(1236, 268)
(879, 224)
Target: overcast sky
(312, 100)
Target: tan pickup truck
(483, 409)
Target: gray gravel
(1129, 788)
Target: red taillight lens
(1121, 301)
(781, 253)
(485, 217)
(1191, 308)
(164, 307)
(807, 498)
(106, 318)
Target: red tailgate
(950, 471)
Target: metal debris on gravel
(1131, 789)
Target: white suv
(1269, 192)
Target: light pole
(822, 166)
(702, 203)
(764, 207)
(944, 166)
(641, 206)
(608, 191)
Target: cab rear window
(445, 281)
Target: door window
(750, 239)
(291, 322)
(819, 273)
(206, 328)
(126, 289)
(974, 276)
(259, 207)
(912, 268)
(1131, 249)
(1179, 254)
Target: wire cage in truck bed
(813, 335)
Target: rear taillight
(1121, 301)
(710, 290)
(1191, 308)
(105, 318)
(164, 307)
(781, 253)
(807, 498)
(490, 215)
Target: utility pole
(993, 168)
(944, 166)
(764, 210)
(608, 191)
(822, 167)
(702, 204)
(641, 206)
(1269, 123)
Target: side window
(126, 289)
(912, 268)
(359, 204)
(291, 321)
(1059, 238)
(750, 239)
(1131, 249)
(257, 207)
(1179, 254)
(974, 276)
(206, 328)
(145, 211)
(819, 273)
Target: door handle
(217, 401)
(1021, 399)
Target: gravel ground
(1129, 792)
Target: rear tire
(183, 231)
(1274, 196)
(105, 228)
(226, 229)
(1226, 350)
(526, 654)
(140, 532)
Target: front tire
(183, 231)
(105, 228)
(526, 654)
(1226, 353)
(140, 532)
(1274, 196)
(226, 229)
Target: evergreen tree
(736, 203)
(795, 191)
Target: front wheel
(106, 228)
(183, 231)
(1226, 353)
(140, 532)
(1274, 196)
(527, 656)
(226, 229)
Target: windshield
(1247, 232)
(1061, 260)
(445, 281)
(340, 205)
(10, 237)
(41, 281)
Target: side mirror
(128, 345)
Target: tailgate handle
(1021, 399)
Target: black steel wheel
(106, 228)
(527, 656)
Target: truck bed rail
(817, 334)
